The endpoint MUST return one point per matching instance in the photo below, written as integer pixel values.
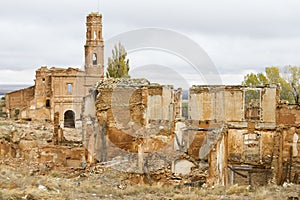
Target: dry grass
(15, 183)
(21, 179)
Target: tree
(288, 81)
(118, 65)
(292, 75)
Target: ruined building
(233, 134)
(59, 89)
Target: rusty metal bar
(235, 171)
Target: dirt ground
(24, 179)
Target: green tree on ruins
(118, 64)
(287, 79)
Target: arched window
(94, 59)
(69, 119)
(69, 88)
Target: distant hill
(9, 88)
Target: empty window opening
(69, 119)
(94, 59)
(184, 104)
(48, 103)
(17, 112)
(69, 88)
(251, 147)
(43, 80)
(95, 35)
(185, 108)
(252, 104)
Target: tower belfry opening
(95, 35)
(94, 59)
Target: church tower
(94, 48)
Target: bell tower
(94, 48)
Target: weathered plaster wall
(135, 119)
(19, 100)
(227, 103)
(270, 98)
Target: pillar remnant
(56, 128)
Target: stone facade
(59, 89)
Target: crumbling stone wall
(17, 103)
(93, 139)
(288, 129)
(61, 155)
(7, 149)
(236, 139)
(134, 119)
(33, 141)
(248, 141)
(217, 158)
(227, 103)
(42, 152)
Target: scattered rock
(42, 187)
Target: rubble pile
(121, 82)
(32, 140)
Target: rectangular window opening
(252, 104)
(69, 88)
(48, 103)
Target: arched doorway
(69, 119)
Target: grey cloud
(237, 35)
(250, 18)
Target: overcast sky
(238, 36)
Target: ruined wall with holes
(16, 144)
(134, 120)
(18, 103)
(244, 154)
(238, 134)
(288, 133)
(209, 104)
(43, 153)
(61, 155)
